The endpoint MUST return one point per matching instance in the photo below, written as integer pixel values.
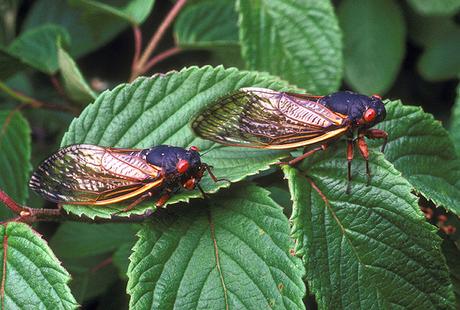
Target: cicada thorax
(180, 167)
(362, 111)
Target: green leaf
(157, 110)
(227, 56)
(91, 276)
(233, 254)
(31, 275)
(74, 82)
(88, 31)
(280, 195)
(9, 65)
(429, 7)
(455, 122)
(14, 157)
(452, 253)
(89, 239)
(37, 47)
(121, 258)
(441, 60)
(133, 11)
(368, 249)
(421, 149)
(425, 30)
(21, 82)
(207, 24)
(374, 33)
(87, 258)
(299, 41)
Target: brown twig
(32, 215)
(61, 91)
(10, 203)
(140, 66)
(57, 85)
(162, 56)
(104, 263)
(137, 47)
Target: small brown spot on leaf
(280, 287)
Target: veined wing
(263, 118)
(90, 174)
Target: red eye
(376, 96)
(190, 184)
(369, 115)
(182, 166)
(194, 148)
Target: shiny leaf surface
(369, 248)
(157, 110)
(299, 41)
(27, 253)
(231, 254)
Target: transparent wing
(263, 118)
(89, 174)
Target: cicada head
(362, 111)
(180, 166)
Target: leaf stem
(33, 215)
(139, 67)
(16, 95)
(137, 49)
(35, 103)
(162, 56)
(216, 253)
(10, 203)
(57, 85)
(104, 263)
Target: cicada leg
(350, 154)
(163, 199)
(294, 161)
(376, 134)
(136, 202)
(349, 157)
(364, 150)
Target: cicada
(268, 119)
(85, 174)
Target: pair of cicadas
(251, 117)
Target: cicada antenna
(206, 152)
(209, 150)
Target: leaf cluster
(271, 238)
